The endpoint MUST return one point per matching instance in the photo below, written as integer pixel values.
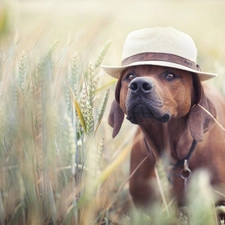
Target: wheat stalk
(102, 108)
(90, 102)
(73, 79)
(20, 78)
(102, 54)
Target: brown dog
(166, 103)
(160, 90)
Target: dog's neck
(168, 138)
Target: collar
(181, 162)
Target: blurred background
(88, 24)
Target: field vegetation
(58, 162)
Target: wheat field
(58, 161)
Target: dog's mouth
(140, 112)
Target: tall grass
(51, 152)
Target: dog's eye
(169, 76)
(130, 76)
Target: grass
(58, 163)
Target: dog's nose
(141, 85)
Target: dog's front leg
(143, 184)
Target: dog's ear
(117, 91)
(116, 115)
(115, 118)
(200, 121)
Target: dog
(160, 88)
(166, 104)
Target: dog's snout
(141, 85)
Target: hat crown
(160, 40)
(159, 46)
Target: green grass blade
(79, 114)
(109, 84)
(78, 109)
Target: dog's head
(147, 94)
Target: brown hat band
(147, 56)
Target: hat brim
(115, 71)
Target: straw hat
(160, 46)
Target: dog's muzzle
(141, 86)
(143, 102)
